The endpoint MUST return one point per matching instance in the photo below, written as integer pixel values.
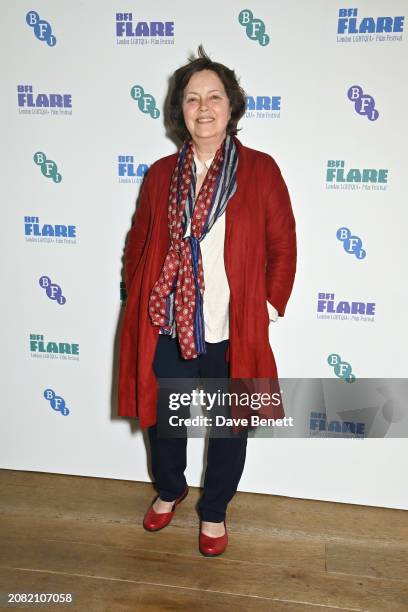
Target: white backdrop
(309, 67)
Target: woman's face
(206, 107)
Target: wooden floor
(69, 534)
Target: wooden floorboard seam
(226, 559)
(273, 533)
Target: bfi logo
(145, 101)
(254, 28)
(364, 104)
(351, 244)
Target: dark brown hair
(180, 79)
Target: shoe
(212, 547)
(153, 521)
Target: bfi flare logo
(36, 231)
(351, 28)
(31, 103)
(263, 107)
(330, 307)
(339, 176)
(129, 31)
(129, 170)
(321, 427)
(53, 349)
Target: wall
(304, 71)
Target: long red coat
(260, 263)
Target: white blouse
(217, 292)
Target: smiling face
(206, 108)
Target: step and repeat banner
(83, 92)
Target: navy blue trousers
(225, 456)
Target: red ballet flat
(153, 521)
(212, 547)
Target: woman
(203, 285)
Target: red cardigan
(260, 263)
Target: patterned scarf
(181, 281)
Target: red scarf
(183, 269)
